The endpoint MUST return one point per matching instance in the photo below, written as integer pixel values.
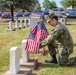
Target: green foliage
(25, 4)
(37, 7)
(49, 4)
(53, 5)
(46, 4)
(68, 3)
(63, 3)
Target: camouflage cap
(50, 16)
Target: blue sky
(57, 2)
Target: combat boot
(53, 60)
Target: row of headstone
(15, 61)
(32, 21)
(19, 24)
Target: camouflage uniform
(61, 39)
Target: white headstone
(33, 21)
(61, 20)
(25, 22)
(10, 25)
(14, 60)
(16, 23)
(28, 21)
(20, 23)
(65, 19)
(25, 54)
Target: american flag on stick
(42, 32)
(36, 35)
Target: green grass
(9, 39)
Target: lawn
(9, 39)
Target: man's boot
(53, 60)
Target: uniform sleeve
(53, 35)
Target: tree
(12, 4)
(49, 4)
(46, 4)
(63, 3)
(67, 3)
(53, 5)
(37, 7)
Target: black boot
(53, 60)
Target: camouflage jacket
(60, 34)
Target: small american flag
(42, 32)
(32, 45)
(36, 35)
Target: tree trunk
(72, 3)
(12, 15)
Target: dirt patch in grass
(4, 21)
(5, 41)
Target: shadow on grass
(45, 65)
(50, 65)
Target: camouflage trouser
(62, 55)
(52, 48)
